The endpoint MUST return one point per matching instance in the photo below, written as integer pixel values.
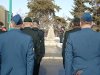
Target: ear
(11, 24)
(22, 26)
(31, 23)
(80, 23)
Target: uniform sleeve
(30, 58)
(64, 46)
(0, 57)
(42, 45)
(68, 57)
(64, 42)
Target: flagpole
(10, 13)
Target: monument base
(50, 42)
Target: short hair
(1, 23)
(76, 21)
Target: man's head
(35, 22)
(1, 24)
(86, 19)
(16, 21)
(27, 22)
(76, 22)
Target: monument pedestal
(50, 42)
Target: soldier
(16, 50)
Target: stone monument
(50, 39)
(51, 35)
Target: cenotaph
(50, 39)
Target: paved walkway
(52, 62)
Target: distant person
(16, 50)
(61, 34)
(76, 27)
(27, 29)
(39, 45)
(82, 53)
(1, 28)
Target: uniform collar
(86, 29)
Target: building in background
(4, 16)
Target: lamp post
(10, 12)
